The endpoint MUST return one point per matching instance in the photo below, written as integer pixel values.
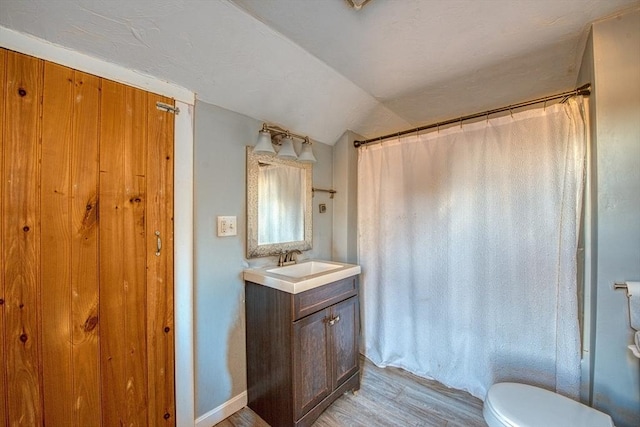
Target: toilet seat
(521, 405)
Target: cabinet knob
(334, 320)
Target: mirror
(279, 216)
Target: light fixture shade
(264, 145)
(286, 149)
(306, 155)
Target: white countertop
(294, 282)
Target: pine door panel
(70, 259)
(134, 252)
(85, 350)
(20, 235)
(160, 334)
(135, 162)
(111, 213)
(3, 379)
(57, 116)
(122, 252)
(86, 303)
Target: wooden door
(312, 381)
(86, 303)
(344, 338)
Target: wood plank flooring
(389, 397)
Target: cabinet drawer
(308, 302)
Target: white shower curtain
(467, 239)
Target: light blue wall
(220, 139)
(345, 218)
(588, 248)
(614, 67)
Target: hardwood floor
(389, 397)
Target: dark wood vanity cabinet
(302, 350)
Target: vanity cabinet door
(311, 361)
(344, 336)
(302, 350)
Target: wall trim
(223, 411)
(40, 48)
(183, 266)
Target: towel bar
(617, 285)
(331, 192)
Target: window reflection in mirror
(278, 205)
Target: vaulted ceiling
(321, 67)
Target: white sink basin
(304, 269)
(301, 277)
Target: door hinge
(168, 108)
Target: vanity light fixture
(286, 148)
(271, 135)
(306, 155)
(264, 145)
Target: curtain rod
(582, 90)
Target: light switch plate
(227, 226)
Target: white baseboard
(218, 414)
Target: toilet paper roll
(633, 292)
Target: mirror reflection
(278, 205)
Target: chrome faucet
(288, 257)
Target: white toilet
(521, 405)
